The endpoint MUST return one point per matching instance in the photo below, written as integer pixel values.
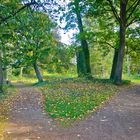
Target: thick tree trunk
(83, 65)
(38, 74)
(114, 64)
(81, 70)
(87, 56)
(119, 67)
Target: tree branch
(135, 19)
(134, 49)
(104, 42)
(114, 11)
(131, 6)
(134, 8)
(4, 19)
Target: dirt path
(119, 120)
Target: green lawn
(70, 101)
(133, 78)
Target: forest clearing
(69, 70)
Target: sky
(65, 36)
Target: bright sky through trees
(65, 36)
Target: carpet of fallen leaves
(72, 101)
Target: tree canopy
(104, 31)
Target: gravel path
(118, 120)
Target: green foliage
(30, 35)
(33, 38)
(60, 59)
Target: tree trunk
(119, 66)
(87, 56)
(3, 56)
(83, 56)
(81, 70)
(114, 64)
(38, 74)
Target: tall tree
(83, 56)
(75, 11)
(8, 10)
(127, 16)
(33, 39)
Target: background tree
(34, 40)
(102, 39)
(8, 10)
(74, 13)
(125, 13)
(128, 15)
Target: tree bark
(38, 74)
(119, 66)
(114, 64)
(3, 55)
(83, 67)
(87, 56)
(81, 70)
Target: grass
(72, 100)
(25, 79)
(32, 80)
(133, 78)
(5, 104)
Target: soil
(117, 120)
